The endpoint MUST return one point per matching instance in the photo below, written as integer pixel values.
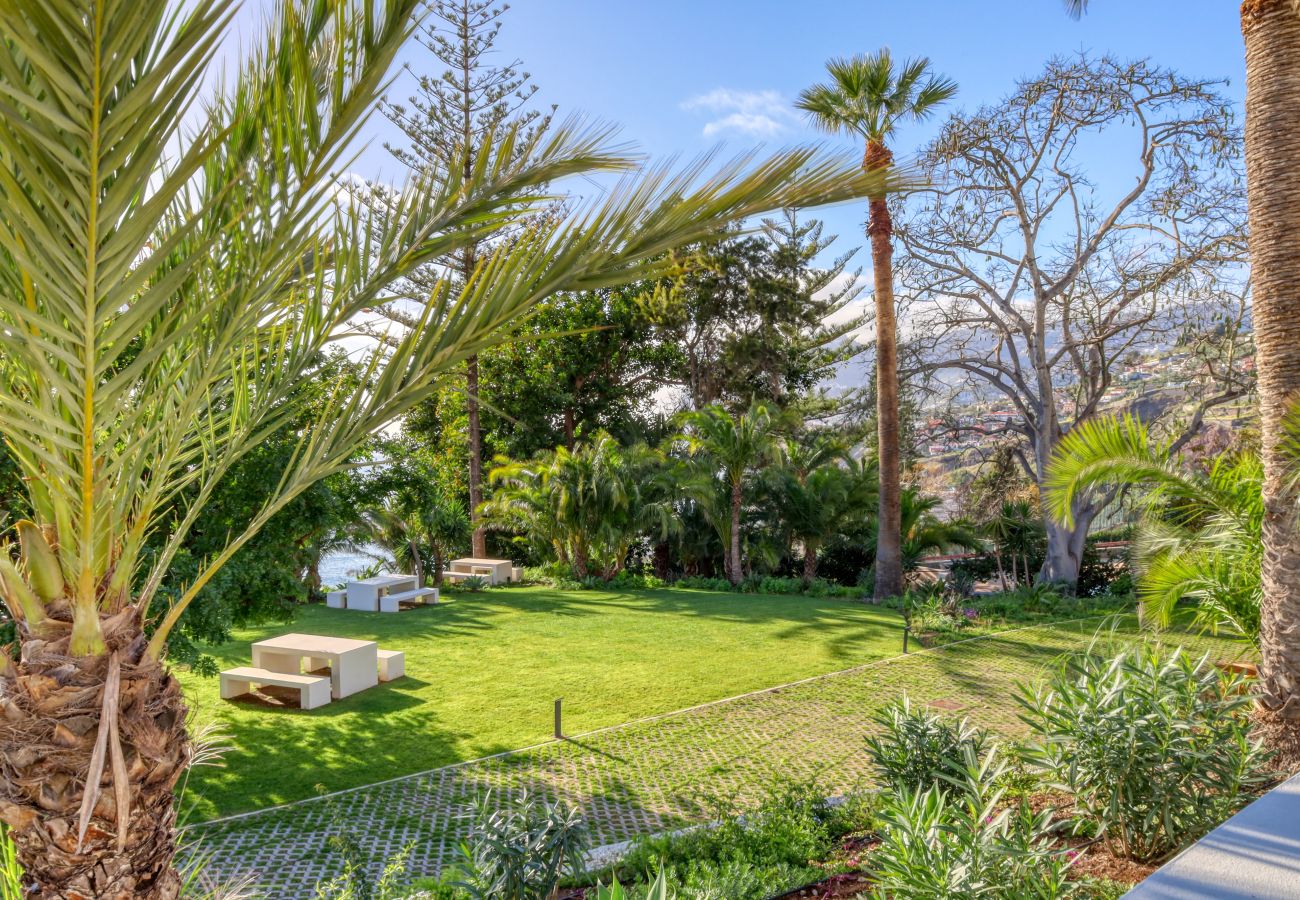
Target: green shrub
(702, 583)
(626, 580)
(755, 584)
(917, 749)
(746, 857)
(521, 849)
(1154, 747)
(967, 842)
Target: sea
(337, 568)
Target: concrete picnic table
(500, 567)
(354, 665)
(365, 594)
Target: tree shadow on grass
(371, 736)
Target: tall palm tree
(168, 277)
(729, 448)
(869, 96)
(1271, 29)
(1272, 33)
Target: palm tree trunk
(1272, 32)
(736, 573)
(809, 562)
(889, 538)
(54, 707)
(1002, 575)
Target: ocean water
(337, 568)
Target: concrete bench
(458, 576)
(313, 690)
(392, 602)
(517, 574)
(337, 599)
(392, 664)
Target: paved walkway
(654, 774)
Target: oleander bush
(1155, 746)
(967, 840)
(917, 749)
(520, 849)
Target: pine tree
(458, 109)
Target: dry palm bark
(1272, 32)
(51, 742)
(889, 547)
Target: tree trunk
(1272, 32)
(417, 562)
(53, 707)
(570, 427)
(1065, 548)
(889, 537)
(809, 562)
(1002, 575)
(479, 541)
(663, 560)
(735, 569)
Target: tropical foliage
(1155, 747)
(587, 505)
(1200, 537)
(169, 282)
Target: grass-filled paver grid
(655, 774)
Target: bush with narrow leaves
(916, 748)
(521, 849)
(967, 842)
(1154, 746)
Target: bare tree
(1027, 280)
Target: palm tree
(1272, 33)
(1199, 537)
(1016, 530)
(729, 447)
(1271, 29)
(924, 533)
(588, 505)
(870, 97)
(823, 493)
(168, 278)
(418, 537)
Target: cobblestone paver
(650, 775)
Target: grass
(483, 670)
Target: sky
(681, 77)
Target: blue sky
(681, 77)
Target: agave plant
(176, 257)
(1200, 535)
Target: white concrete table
(365, 594)
(500, 568)
(354, 665)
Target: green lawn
(482, 672)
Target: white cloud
(763, 114)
